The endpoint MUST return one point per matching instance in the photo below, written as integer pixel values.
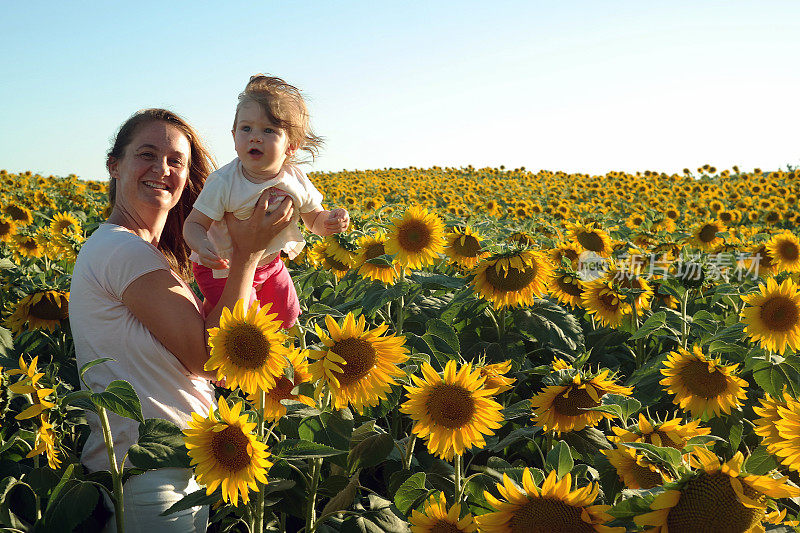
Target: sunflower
(338, 247)
(320, 257)
(628, 274)
(553, 508)
(513, 278)
(785, 249)
(437, 518)
(463, 247)
(704, 235)
(453, 412)
(370, 247)
(772, 316)
(563, 407)
(45, 442)
(767, 425)
(19, 214)
(591, 238)
(247, 349)
(7, 229)
(40, 310)
(702, 385)
(566, 287)
(29, 384)
(521, 238)
(601, 299)
(635, 220)
(495, 375)
(65, 223)
(358, 365)
(571, 251)
(226, 452)
(672, 433)
(761, 262)
(273, 408)
(416, 237)
(634, 470)
(26, 246)
(715, 498)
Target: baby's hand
(338, 220)
(209, 258)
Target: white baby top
(228, 190)
(103, 326)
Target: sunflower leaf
(760, 462)
(92, 363)
(194, 499)
(559, 458)
(439, 329)
(328, 429)
(662, 455)
(371, 451)
(774, 377)
(655, 322)
(303, 449)
(411, 493)
(160, 445)
(120, 398)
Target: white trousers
(147, 495)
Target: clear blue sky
(577, 86)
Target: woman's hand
(252, 236)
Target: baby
(271, 125)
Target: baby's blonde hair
(284, 105)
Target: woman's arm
(167, 308)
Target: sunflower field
(490, 350)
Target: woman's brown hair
(201, 164)
(285, 107)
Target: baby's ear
(291, 149)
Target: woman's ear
(113, 167)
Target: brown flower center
(700, 382)
(451, 406)
(610, 301)
(466, 246)
(708, 233)
(571, 288)
(548, 515)
(765, 260)
(644, 477)
(665, 440)
(48, 308)
(282, 389)
(573, 401)
(359, 356)
(788, 250)
(5, 227)
(16, 213)
(334, 264)
(591, 240)
(414, 236)
(708, 504)
(512, 279)
(230, 448)
(779, 313)
(246, 346)
(374, 250)
(443, 526)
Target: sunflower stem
(684, 323)
(116, 475)
(457, 460)
(409, 451)
(400, 315)
(258, 512)
(316, 468)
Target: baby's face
(261, 145)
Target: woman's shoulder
(113, 243)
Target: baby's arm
(195, 233)
(325, 223)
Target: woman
(130, 301)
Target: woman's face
(153, 170)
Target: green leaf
(550, 324)
(520, 409)
(90, 364)
(160, 445)
(303, 449)
(760, 462)
(656, 321)
(431, 280)
(77, 501)
(442, 330)
(120, 398)
(194, 499)
(20, 501)
(370, 451)
(773, 377)
(623, 407)
(410, 493)
(657, 454)
(525, 433)
(328, 429)
(735, 435)
(344, 499)
(559, 458)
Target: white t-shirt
(228, 190)
(103, 326)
